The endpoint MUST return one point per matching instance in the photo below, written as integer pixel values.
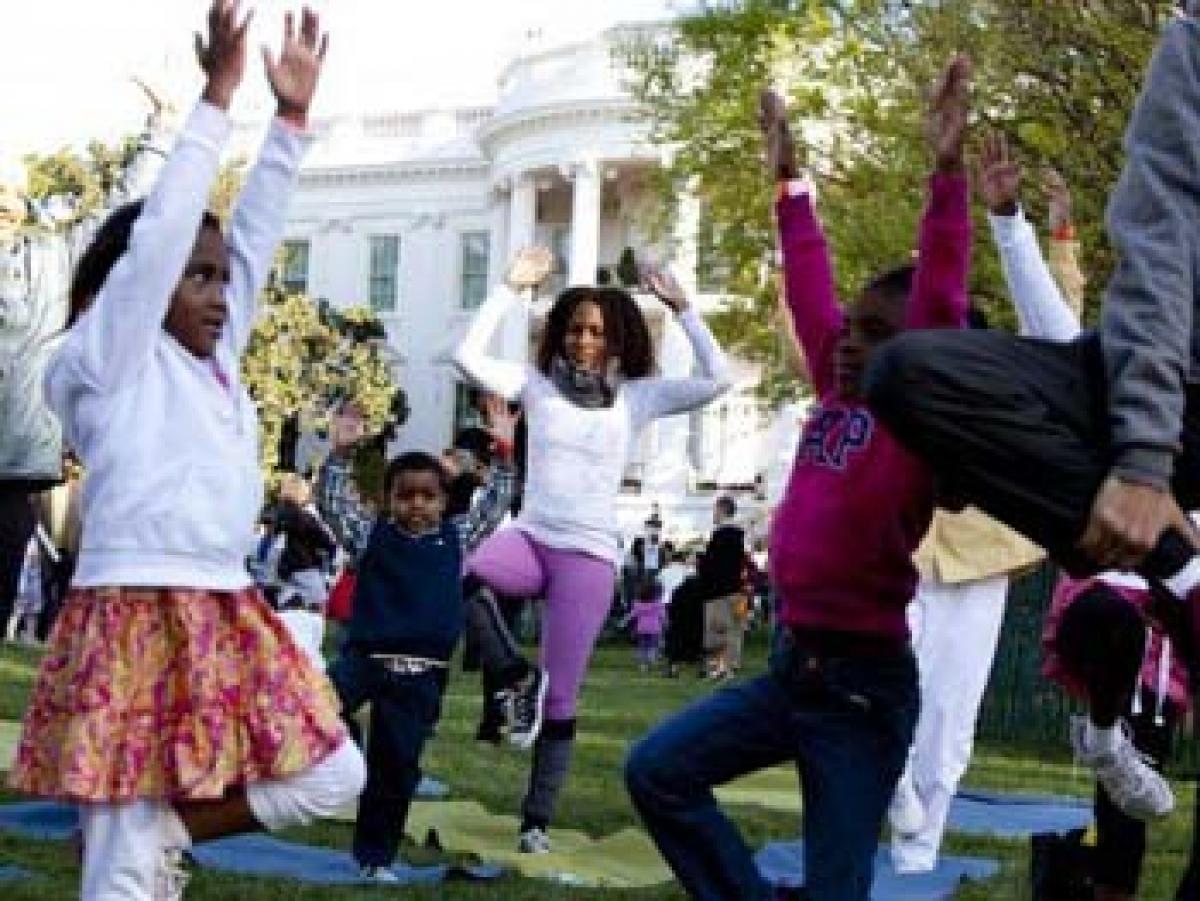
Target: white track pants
(955, 631)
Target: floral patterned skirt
(172, 694)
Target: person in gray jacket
(1091, 448)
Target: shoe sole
(525, 740)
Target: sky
(66, 64)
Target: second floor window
(475, 252)
(385, 268)
(294, 274)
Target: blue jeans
(846, 721)
(404, 710)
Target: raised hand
(294, 75)
(777, 136)
(223, 57)
(1058, 195)
(663, 285)
(949, 112)
(501, 421)
(999, 176)
(529, 268)
(348, 428)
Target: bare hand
(501, 420)
(348, 428)
(663, 285)
(1058, 194)
(223, 58)
(777, 136)
(1126, 522)
(949, 111)
(530, 268)
(294, 76)
(999, 176)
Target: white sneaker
(1132, 784)
(379, 874)
(171, 875)
(906, 814)
(534, 841)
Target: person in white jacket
(172, 705)
(590, 393)
(955, 619)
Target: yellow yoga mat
(10, 735)
(626, 859)
(775, 789)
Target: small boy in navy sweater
(408, 615)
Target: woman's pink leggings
(576, 591)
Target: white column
(522, 213)
(522, 220)
(685, 236)
(498, 255)
(585, 223)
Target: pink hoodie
(857, 504)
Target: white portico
(418, 213)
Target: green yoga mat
(626, 859)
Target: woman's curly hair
(626, 335)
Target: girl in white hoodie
(172, 705)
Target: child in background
(303, 566)
(406, 619)
(649, 616)
(28, 604)
(840, 699)
(172, 705)
(1102, 644)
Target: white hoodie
(173, 487)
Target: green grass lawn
(618, 705)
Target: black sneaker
(524, 705)
(489, 731)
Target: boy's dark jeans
(404, 710)
(846, 721)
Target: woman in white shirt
(587, 397)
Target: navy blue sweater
(408, 598)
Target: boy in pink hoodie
(841, 697)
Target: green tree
(303, 359)
(1059, 78)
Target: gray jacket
(1150, 333)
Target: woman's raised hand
(663, 285)
(530, 268)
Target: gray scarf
(588, 390)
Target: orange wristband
(1064, 233)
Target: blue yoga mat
(43, 820)
(257, 855)
(430, 789)
(12, 874)
(782, 864)
(263, 855)
(1014, 816)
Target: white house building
(418, 213)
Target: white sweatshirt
(577, 457)
(173, 487)
(1042, 311)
